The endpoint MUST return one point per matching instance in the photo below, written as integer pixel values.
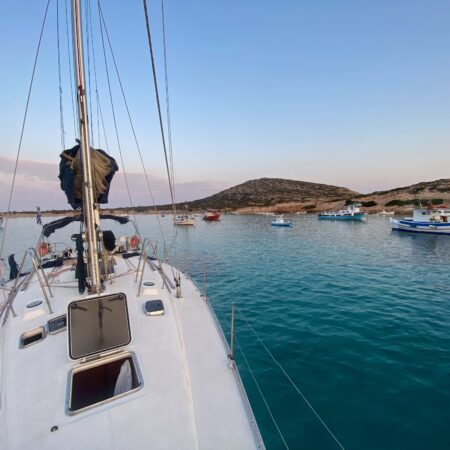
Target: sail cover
(70, 173)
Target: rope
(61, 109)
(23, 128)
(297, 389)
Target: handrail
(40, 275)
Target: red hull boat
(212, 217)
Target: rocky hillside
(280, 195)
(434, 192)
(270, 192)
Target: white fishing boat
(105, 346)
(432, 220)
(353, 212)
(184, 219)
(386, 213)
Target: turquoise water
(358, 316)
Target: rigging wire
(257, 385)
(155, 81)
(95, 75)
(147, 179)
(294, 385)
(166, 79)
(113, 110)
(169, 128)
(23, 127)
(61, 109)
(88, 45)
(71, 74)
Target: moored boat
(433, 220)
(386, 213)
(212, 216)
(184, 219)
(280, 222)
(353, 212)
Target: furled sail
(70, 173)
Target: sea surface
(358, 317)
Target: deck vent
(154, 308)
(34, 304)
(57, 324)
(31, 337)
(149, 288)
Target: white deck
(190, 398)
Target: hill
(434, 192)
(270, 192)
(277, 194)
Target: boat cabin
(439, 214)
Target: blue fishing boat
(353, 212)
(433, 220)
(280, 222)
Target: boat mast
(90, 209)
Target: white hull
(420, 227)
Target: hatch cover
(98, 324)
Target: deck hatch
(154, 308)
(97, 325)
(102, 381)
(57, 324)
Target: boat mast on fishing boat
(107, 346)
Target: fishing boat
(212, 216)
(432, 220)
(353, 212)
(107, 346)
(184, 219)
(386, 213)
(280, 222)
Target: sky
(354, 93)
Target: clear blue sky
(353, 93)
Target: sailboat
(106, 346)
